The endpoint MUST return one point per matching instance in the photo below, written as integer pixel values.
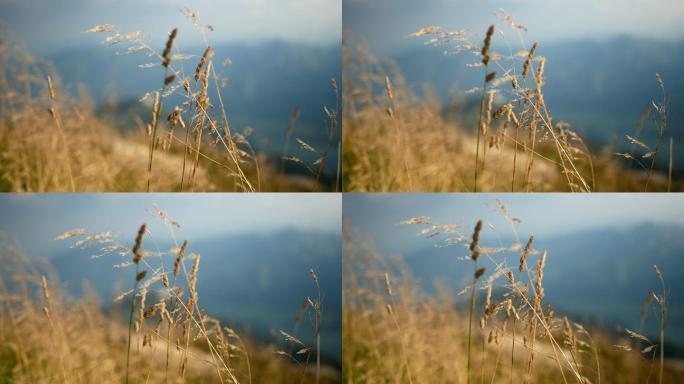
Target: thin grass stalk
(662, 125)
(500, 352)
(130, 322)
(156, 112)
(561, 151)
(176, 270)
(200, 325)
(637, 131)
(470, 317)
(317, 309)
(230, 145)
(479, 132)
(137, 257)
(530, 158)
(401, 140)
(186, 144)
(244, 348)
(49, 312)
(409, 375)
(513, 350)
(288, 135)
(157, 108)
(54, 112)
(202, 105)
(663, 315)
(474, 255)
(332, 131)
(483, 357)
(485, 61)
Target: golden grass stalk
(156, 111)
(399, 133)
(390, 311)
(202, 106)
(137, 257)
(480, 128)
(474, 255)
(317, 332)
(166, 58)
(525, 253)
(333, 118)
(662, 111)
(288, 135)
(54, 112)
(663, 304)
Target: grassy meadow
(395, 140)
(494, 325)
(159, 328)
(54, 137)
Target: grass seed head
(140, 275)
(528, 61)
(46, 291)
(487, 43)
(51, 88)
(137, 256)
(526, 252)
(475, 241)
(179, 258)
(388, 284)
(166, 59)
(208, 53)
(388, 88)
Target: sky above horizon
(47, 26)
(386, 24)
(540, 214)
(36, 219)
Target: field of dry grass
(54, 141)
(395, 141)
(155, 331)
(498, 329)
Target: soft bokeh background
(284, 54)
(256, 250)
(386, 24)
(602, 56)
(49, 25)
(601, 247)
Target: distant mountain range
(602, 276)
(599, 87)
(265, 82)
(253, 282)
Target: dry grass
(394, 332)
(53, 141)
(46, 336)
(393, 141)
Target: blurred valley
(600, 277)
(254, 283)
(263, 84)
(599, 87)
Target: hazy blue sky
(387, 23)
(543, 215)
(35, 219)
(47, 25)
